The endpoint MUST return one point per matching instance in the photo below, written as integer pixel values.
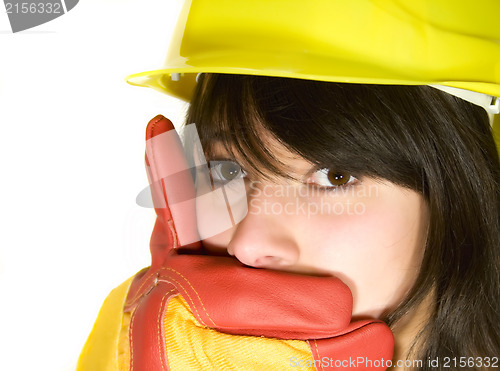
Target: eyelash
(325, 174)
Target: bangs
(229, 121)
(365, 130)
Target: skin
(368, 232)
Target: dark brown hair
(414, 136)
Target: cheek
(377, 253)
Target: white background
(71, 159)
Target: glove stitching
(161, 340)
(317, 351)
(189, 297)
(196, 292)
(171, 225)
(131, 334)
(139, 291)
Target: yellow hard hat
(451, 43)
(444, 42)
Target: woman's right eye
(225, 171)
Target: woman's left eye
(330, 178)
(225, 171)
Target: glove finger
(172, 187)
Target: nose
(264, 238)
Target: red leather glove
(229, 297)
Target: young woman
(357, 167)
(408, 179)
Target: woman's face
(368, 232)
